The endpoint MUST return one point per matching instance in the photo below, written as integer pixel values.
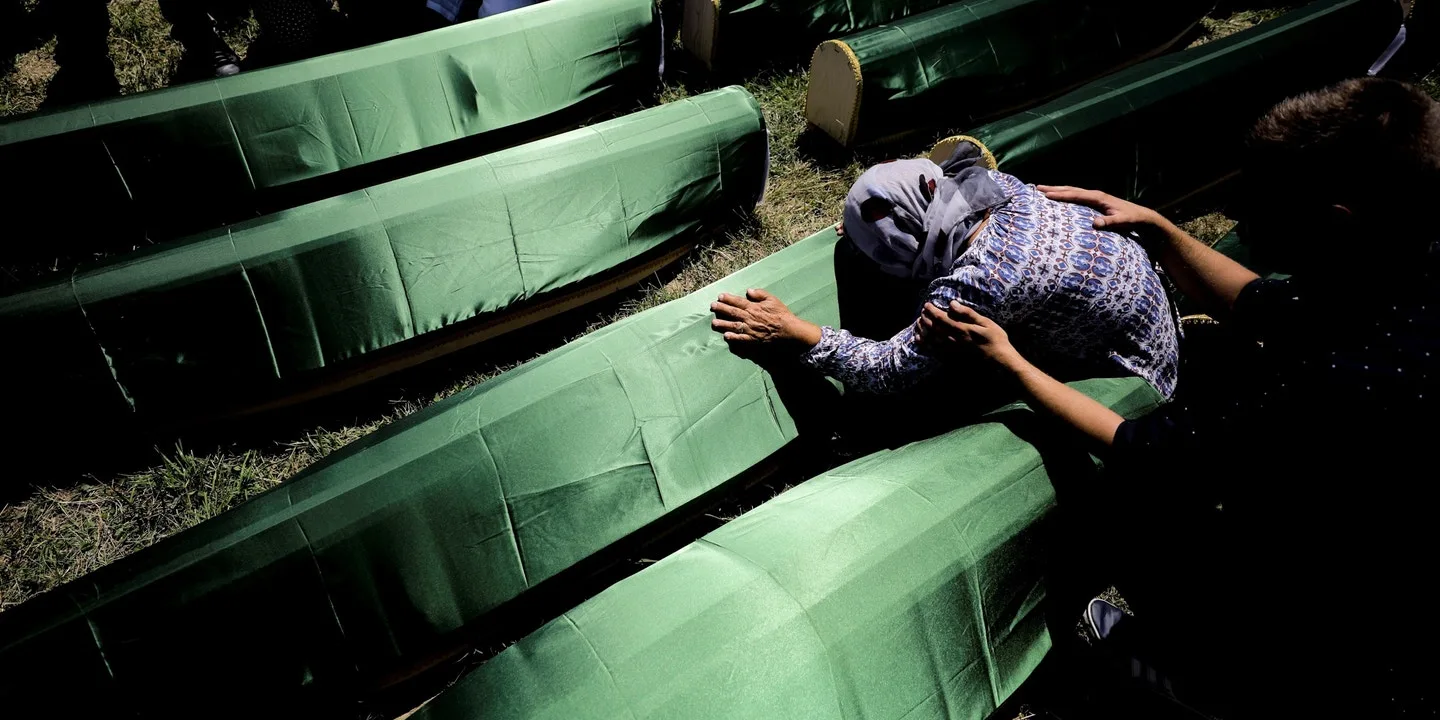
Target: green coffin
(749, 33)
(188, 158)
(1172, 126)
(907, 584)
(970, 61)
(366, 565)
(360, 284)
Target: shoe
(207, 55)
(1101, 619)
(225, 62)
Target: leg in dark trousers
(16, 34)
(82, 50)
(206, 53)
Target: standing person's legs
(14, 33)
(206, 53)
(82, 50)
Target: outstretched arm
(960, 327)
(1203, 274)
(873, 366)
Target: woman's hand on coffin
(760, 317)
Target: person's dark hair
(1367, 144)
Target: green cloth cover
(224, 318)
(799, 24)
(191, 157)
(967, 61)
(907, 584)
(1173, 125)
(307, 596)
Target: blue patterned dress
(1068, 295)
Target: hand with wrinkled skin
(760, 318)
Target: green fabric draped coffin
(817, 18)
(191, 157)
(972, 60)
(907, 584)
(747, 33)
(368, 560)
(232, 315)
(1175, 124)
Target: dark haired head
(1355, 162)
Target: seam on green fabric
(259, 312)
(302, 286)
(99, 344)
(768, 393)
(509, 510)
(625, 701)
(715, 143)
(619, 191)
(124, 183)
(915, 53)
(615, 32)
(650, 454)
(235, 134)
(320, 575)
(94, 635)
(445, 93)
(394, 258)
(349, 118)
(510, 220)
(809, 620)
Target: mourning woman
(1083, 302)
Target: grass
(56, 535)
(1227, 24)
(144, 56)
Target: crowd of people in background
(289, 30)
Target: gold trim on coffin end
(836, 88)
(945, 148)
(699, 30)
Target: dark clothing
(190, 23)
(82, 50)
(373, 21)
(1327, 359)
(1269, 510)
(294, 29)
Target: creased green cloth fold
(188, 158)
(225, 317)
